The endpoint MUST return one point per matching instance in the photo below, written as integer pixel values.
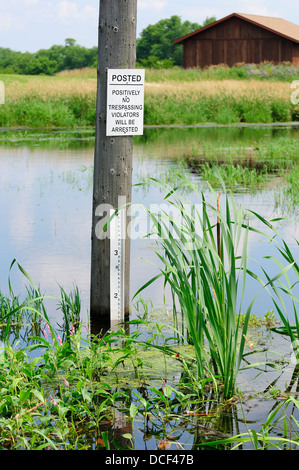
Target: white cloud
(68, 11)
(253, 7)
(154, 5)
(6, 21)
(17, 16)
(192, 11)
(31, 2)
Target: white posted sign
(125, 102)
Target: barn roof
(278, 26)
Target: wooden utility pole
(113, 155)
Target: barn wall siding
(236, 40)
(295, 54)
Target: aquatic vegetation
(235, 176)
(280, 302)
(70, 306)
(46, 401)
(286, 196)
(250, 167)
(70, 394)
(203, 251)
(59, 139)
(263, 440)
(269, 319)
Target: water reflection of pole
(294, 379)
(122, 427)
(113, 156)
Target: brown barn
(239, 37)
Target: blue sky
(29, 25)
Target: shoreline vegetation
(216, 95)
(159, 380)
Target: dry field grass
(83, 82)
(236, 88)
(63, 85)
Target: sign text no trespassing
(125, 102)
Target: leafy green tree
(156, 41)
(8, 60)
(22, 63)
(41, 64)
(75, 56)
(209, 20)
(7, 57)
(69, 42)
(48, 61)
(57, 54)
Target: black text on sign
(125, 102)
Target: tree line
(48, 61)
(154, 48)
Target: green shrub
(281, 111)
(254, 111)
(227, 116)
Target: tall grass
(35, 111)
(221, 102)
(69, 99)
(16, 314)
(70, 306)
(286, 196)
(203, 253)
(236, 176)
(59, 101)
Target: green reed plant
(284, 294)
(286, 196)
(288, 291)
(235, 175)
(203, 253)
(70, 306)
(286, 439)
(13, 311)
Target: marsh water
(45, 207)
(46, 193)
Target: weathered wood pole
(113, 155)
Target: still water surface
(46, 194)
